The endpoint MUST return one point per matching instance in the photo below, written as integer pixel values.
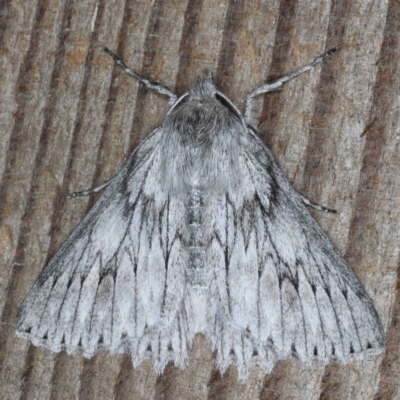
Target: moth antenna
(277, 85)
(155, 86)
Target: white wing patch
(281, 288)
(118, 283)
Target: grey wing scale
(118, 282)
(281, 288)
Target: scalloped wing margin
(118, 282)
(280, 288)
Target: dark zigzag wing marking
(84, 303)
(310, 304)
(350, 280)
(68, 248)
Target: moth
(200, 232)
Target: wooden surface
(69, 117)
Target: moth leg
(277, 85)
(157, 87)
(317, 206)
(90, 191)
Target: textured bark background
(69, 117)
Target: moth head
(204, 87)
(204, 102)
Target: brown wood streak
(228, 48)
(192, 15)
(29, 384)
(167, 383)
(324, 101)
(58, 375)
(385, 93)
(222, 387)
(15, 143)
(273, 100)
(150, 48)
(123, 382)
(23, 86)
(368, 187)
(390, 369)
(272, 383)
(93, 46)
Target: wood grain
(69, 117)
